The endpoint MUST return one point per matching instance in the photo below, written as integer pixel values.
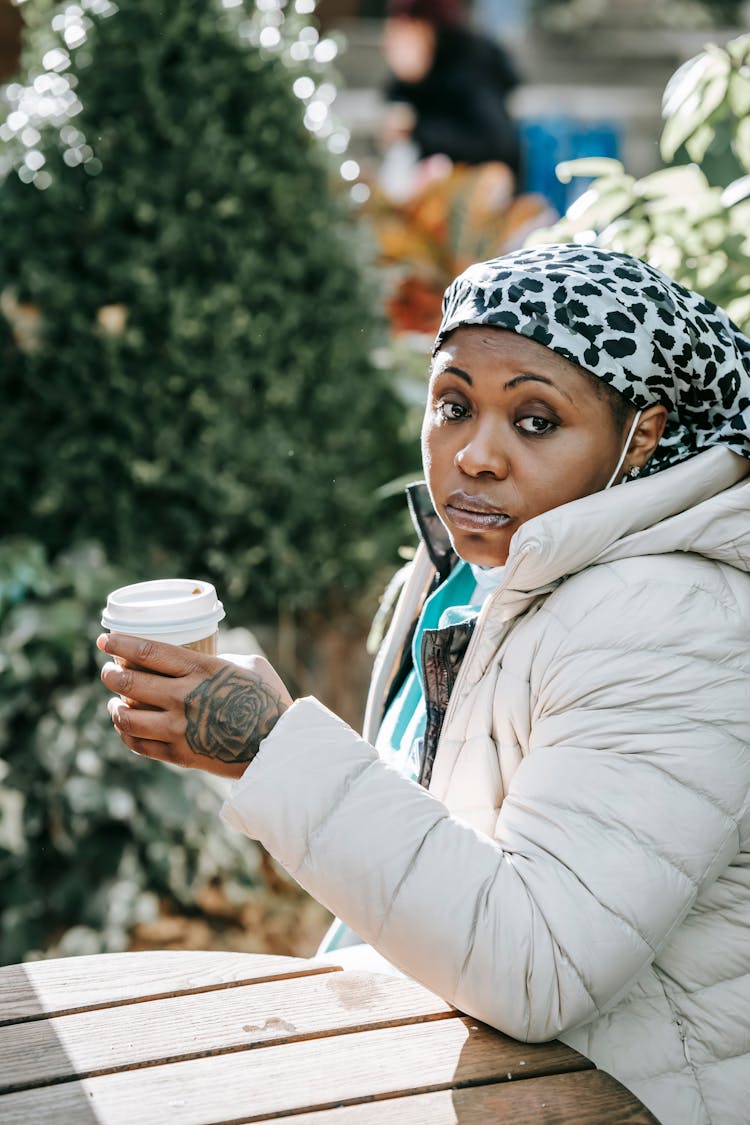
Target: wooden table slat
(588, 1097)
(294, 1077)
(121, 1038)
(39, 989)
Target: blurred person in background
(446, 92)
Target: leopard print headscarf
(647, 336)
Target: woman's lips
(474, 513)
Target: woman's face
(510, 430)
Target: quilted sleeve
(626, 803)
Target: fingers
(139, 724)
(142, 688)
(153, 656)
(150, 736)
(159, 751)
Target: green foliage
(90, 835)
(707, 112)
(690, 220)
(188, 379)
(186, 342)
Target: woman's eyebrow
(457, 371)
(515, 382)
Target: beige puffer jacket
(581, 864)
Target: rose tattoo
(228, 716)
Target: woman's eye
(451, 411)
(533, 424)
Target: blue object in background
(546, 141)
(501, 19)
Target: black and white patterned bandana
(647, 336)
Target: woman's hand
(190, 709)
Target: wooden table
(177, 1038)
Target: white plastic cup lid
(176, 610)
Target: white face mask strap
(624, 453)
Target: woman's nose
(483, 453)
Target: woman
(576, 860)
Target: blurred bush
(189, 376)
(690, 219)
(91, 837)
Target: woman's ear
(647, 436)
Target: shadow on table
(30, 1035)
(500, 1079)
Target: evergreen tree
(189, 379)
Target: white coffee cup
(179, 611)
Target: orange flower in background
(458, 214)
(414, 307)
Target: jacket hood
(701, 505)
